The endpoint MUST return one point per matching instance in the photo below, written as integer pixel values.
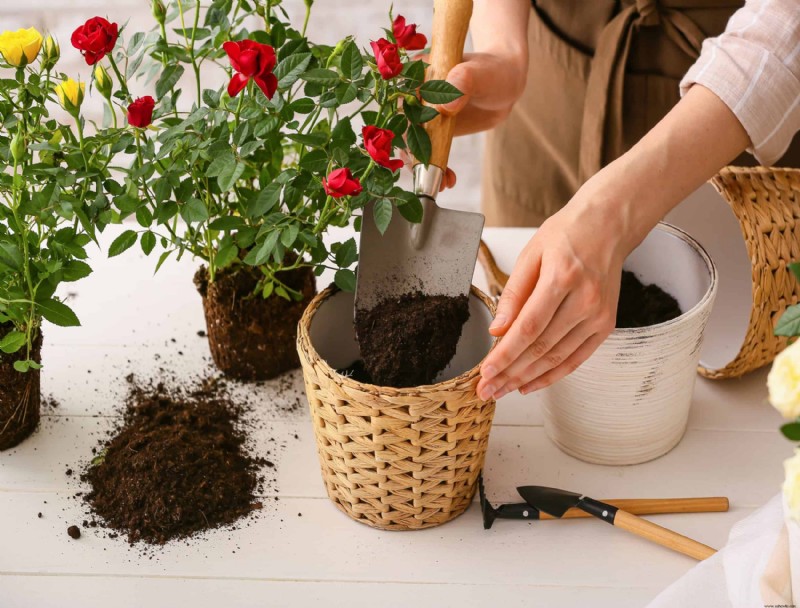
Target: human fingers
(572, 363)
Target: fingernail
(487, 392)
(488, 372)
(499, 321)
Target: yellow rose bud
(17, 147)
(783, 382)
(51, 52)
(21, 47)
(102, 81)
(70, 94)
(791, 484)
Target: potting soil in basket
(175, 466)
(407, 341)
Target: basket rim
(307, 349)
(627, 332)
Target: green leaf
(419, 114)
(265, 200)
(148, 242)
(168, 79)
(194, 211)
(347, 253)
(789, 323)
(256, 257)
(308, 139)
(122, 243)
(289, 235)
(161, 259)
(228, 222)
(321, 76)
(414, 71)
(439, 91)
(411, 208)
(352, 62)
(74, 270)
(57, 313)
(315, 161)
(222, 163)
(345, 280)
(419, 143)
(228, 178)
(23, 366)
(382, 212)
(226, 255)
(304, 105)
(346, 92)
(288, 70)
(12, 342)
(10, 255)
(795, 268)
(791, 431)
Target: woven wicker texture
(396, 459)
(767, 204)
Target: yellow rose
(51, 52)
(791, 485)
(70, 94)
(102, 81)
(783, 382)
(21, 47)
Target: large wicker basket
(766, 203)
(396, 459)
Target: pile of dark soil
(641, 305)
(175, 466)
(407, 341)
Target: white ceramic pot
(629, 402)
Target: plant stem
(26, 268)
(305, 20)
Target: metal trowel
(436, 256)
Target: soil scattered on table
(74, 532)
(642, 305)
(175, 466)
(407, 341)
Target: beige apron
(602, 73)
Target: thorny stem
(26, 269)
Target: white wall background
(331, 20)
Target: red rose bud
(140, 112)
(340, 182)
(95, 38)
(387, 57)
(378, 143)
(254, 60)
(406, 35)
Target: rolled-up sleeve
(754, 68)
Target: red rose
(406, 35)
(378, 143)
(95, 38)
(140, 112)
(254, 60)
(388, 58)
(341, 182)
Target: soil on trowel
(407, 341)
(176, 465)
(642, 305)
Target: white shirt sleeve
(754, 68)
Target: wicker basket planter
(752, 231)
(395, 459)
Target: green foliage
(245, 174)
(55, 186)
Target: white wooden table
(281, 558)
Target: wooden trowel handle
(450, 25)
(662, 536)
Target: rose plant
(250, 175)
(55, 184)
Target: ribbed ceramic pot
(629, 402)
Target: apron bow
(601, 129)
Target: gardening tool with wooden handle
(635, 506)
(436, 256)
(557, 503)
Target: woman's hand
(560, 302)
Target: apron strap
(601, 130)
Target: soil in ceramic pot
(20, 397)
(642, 305)
(252, 338)
(175, 466)
(407, 341)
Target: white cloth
(751, 571)
(754, 68)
